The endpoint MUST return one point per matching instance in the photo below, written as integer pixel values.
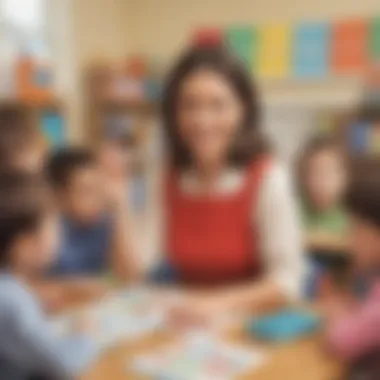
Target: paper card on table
(200, 358)
(274, 52)
(243, 41)
(374, 43)
(311, 50)
(349, 46)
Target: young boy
(20, 143)
(354, 326)
(28, 237)
(94, 216)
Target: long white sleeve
(277, 218)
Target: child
(119, 156)
(354, 328)
(228, 220)
(27, 239)
(20, 144)
(93, 215)
(322, 182)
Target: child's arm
(36, 348)
(351, 334)
(123, 249)
(57, 294)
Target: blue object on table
(284, 326)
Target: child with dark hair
(28, 238)
(93, 213)
(322, 178)
(354, 327)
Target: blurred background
(91, 69)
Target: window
(23, 25)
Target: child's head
(322, 173)
(363, 206)
(211, 110)
(28, 228)
(20, 147)
(75, 177)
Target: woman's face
(209, 116)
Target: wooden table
(301, 360)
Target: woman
(226, 219)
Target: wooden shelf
(54, 104)
(127, 104)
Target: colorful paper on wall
(208, 36)
(359, 137)
(375, 39)
(274, 52)
(350, 46)
(53, 129)
(374, 143)
(243, 40)
(311, 50)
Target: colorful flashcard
(126, 315)
(359, 137)
(374, 142)
(274, 51)
(374, 43)
(208, 36)
(199, 357)
(311, 50)
(349, 46)
(243, 40)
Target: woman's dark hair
(249, 142)
(23, 202)
(315, 145)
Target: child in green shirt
(322, 182)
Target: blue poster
(53, 129)
(311, 50)
(359, 137)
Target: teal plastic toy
(284, 326)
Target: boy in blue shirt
(94, 220)
(94, 212)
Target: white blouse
(276, 216)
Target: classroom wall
(162, 26)
(100, 30)
(85, 31)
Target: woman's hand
(197, 310)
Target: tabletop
(304, 359)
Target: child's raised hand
(115, 173)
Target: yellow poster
(274, 52)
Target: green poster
(243, 40)
(375, 39)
